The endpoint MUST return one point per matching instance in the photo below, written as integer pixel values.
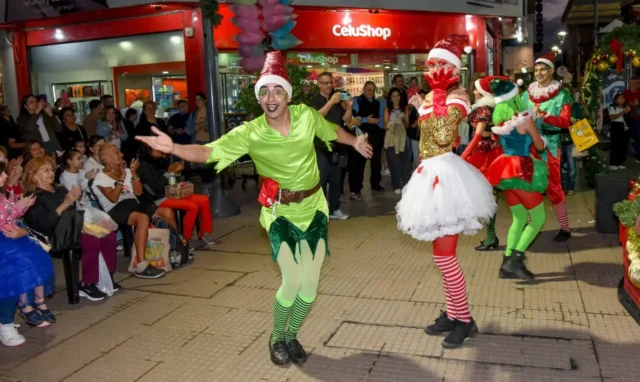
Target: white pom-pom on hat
(520, 82)
(468, 49)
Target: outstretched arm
(163, 143)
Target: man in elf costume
(295, 211)
(552, 105)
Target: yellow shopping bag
(582, 135)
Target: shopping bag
(582, 135)
(97, 223)
(157, 250)
(105, 284)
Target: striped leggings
(453, 282)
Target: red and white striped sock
(455, 282)
(451, 309)
(561, 213)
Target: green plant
(210, 10)
(303, 91)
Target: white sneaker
(621, 167)
(614, 168)
(9, 335)
(338, 215)
(398, 191)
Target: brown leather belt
(288, 196)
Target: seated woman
(14, 170)
(26, 271)
(93, 160)
(154, 174)
(51, 202)
(118, 189)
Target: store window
(134, 69)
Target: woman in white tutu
(446, 195)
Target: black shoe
(460, 332)
(297, 354)
(562, 236)
(493, 246)
(279, 353)
(91, 292)
(513, 267)
(116, 286)
(150, 273)
(377, 188)
(442, 324)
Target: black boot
(460, 332)
(513, 267)
(279, 352)
(442, 324)
(562, 236)
(297, 354)
(493, 246)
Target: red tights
(194, 205)
(453, 282)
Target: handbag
(39, 238)
(67, 233)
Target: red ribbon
(617, 49)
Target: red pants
(193, 205)
(554, 190)
(91, 248)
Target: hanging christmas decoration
(635, 62)
(279, 21)
(613, 59)
(603, 66)
(251, 37)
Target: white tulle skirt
(445, 196)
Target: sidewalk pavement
(211, 320)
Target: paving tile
(187, 282)
(236, 262)
(109, 368)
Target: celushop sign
(364, 30)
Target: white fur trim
(505, 97)
(484, 101)
(427, 110)
(444, 54)
(273, 79)
(480, 89)
(545, 61)
(546, 142)
(536, 92)
(468, 49)
(520, 82)
(507, 127)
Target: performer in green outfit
(295, 211)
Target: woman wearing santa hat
(295, 212)
(484, 148)
(522, 178)
(446, 195)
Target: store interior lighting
(165, 72)
(126, 45)
(58, 35)
(176, 39)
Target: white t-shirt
(91, 164)
(104, 180)
(616, 110)
(68, 180)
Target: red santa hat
(483, 84)
(450, 49)
(548, 59)
(274, 72)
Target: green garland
(628, 211)
(211, 10)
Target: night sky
(552, 11)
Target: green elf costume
(295, 212)
(552, 104)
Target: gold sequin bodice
(439, 134)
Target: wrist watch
(119, 182)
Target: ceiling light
(395, 68)
(175, 39)
(377, 66)
(58, 35)
(387, 67)
(499, 18)
(523, 70)
(126, 45)
(344, 66)
(309, 66)
(165, 72)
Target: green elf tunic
(555, 102)
(290, 161)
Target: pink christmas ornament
(250, 38)
(251, 50)
(273, 23)
(246, 24)
(266, 3)
(247, 12)
(278, 9)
